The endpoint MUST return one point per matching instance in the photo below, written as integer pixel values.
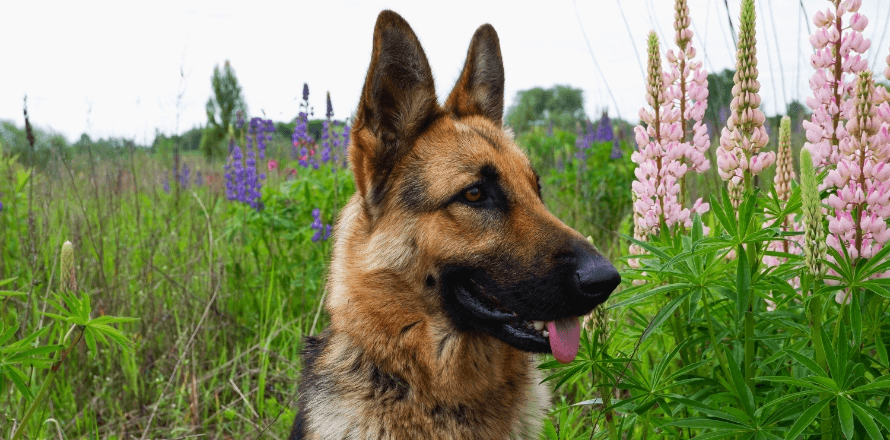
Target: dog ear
(480, 88)
(398, 102)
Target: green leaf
(742, 392)
(707, 410)
(806, 418)
(883, 385)
(703, 423)
(807, 362)
(880, 417)
(655, 291)
(867, 421)
(663, 315)
(845, 415)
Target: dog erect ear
(480, 88)
(398, 102)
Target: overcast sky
(127, 69)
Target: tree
(562, 105)
(222, 108)
(719, 97)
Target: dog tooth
(546, 334)
(539, 325)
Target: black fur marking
(441, 415)
(490, 141)
(430, 281)
(408, 327)
(388, 386)
(442, 344)
(312, 349)
(538, 181)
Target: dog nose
(596, 275)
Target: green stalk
(720, 355)
(819, 349)
(47, 384)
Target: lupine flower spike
(301, 139)
(837, 61)
(782, 180)
(861, 201)
(814, 235)
(659, 168)
(739, 156)
(689, 88)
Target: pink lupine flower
(272, 165)
(837, 61)
(861, 181)
(739, 156)
(660, 169)
(689, 90)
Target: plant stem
(47, 384)
(720, 356)
(819, 349)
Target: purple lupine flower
(184, 176)
(604, 129)
(167, 182)
(326, 131)
(1, 206)
(199, 179)
(243, 182)
(301, 138)
(322, 231)
(616, 152)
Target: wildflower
(689, 90)
(738, 156)
(861, 199)
(322, 232)
(659, 169)
(301, 138)
(1, 206)
(326, 132)
(782, 180)
(616, 152)
(814, 236)
(199, 179)
(67, 279)
(271, 165)
(184, 173)
(167, 182)
(604, 129)
(836, 56)
(243, 182)
(784, 165)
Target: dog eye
(474, 194)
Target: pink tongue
(565, 335)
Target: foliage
(561, 105)
(222, 109)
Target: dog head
(449, 200)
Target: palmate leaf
(663, 315)
(742, 392)
(656, 291)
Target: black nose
(596, 275)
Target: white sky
(113, 68)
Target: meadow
(755, 302)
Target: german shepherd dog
(447, 272)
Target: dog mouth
(559, 335)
